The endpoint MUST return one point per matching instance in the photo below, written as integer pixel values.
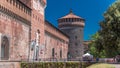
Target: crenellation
(10, 5)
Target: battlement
(66, 24)
(16, 9)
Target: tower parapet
(71, 20)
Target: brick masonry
(21, 19)
(6, 64)
(57, 40)
(18, 34)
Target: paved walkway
(117, 65)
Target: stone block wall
(18, 34)
(75, 48)
(8, 64)
(37, 24)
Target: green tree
(110, 30)
(107, 42)
(95, 47)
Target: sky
(91, 10)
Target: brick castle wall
(18, 34)
(57, 40)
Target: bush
(73, 65)
(55, 65)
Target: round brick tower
(73, 26)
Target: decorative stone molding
(16, 9)
(10, 14)
(39, 5)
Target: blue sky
(91, 10)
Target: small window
(33, 15)
(50, 39)
(60, 53)
(36, 18)
(57, 43)
(80, 30)
(76, 44)
(10, 1)
(76, 37)
(14, 2)
(53, 52)
(7, 0)
(76, 51)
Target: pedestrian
(97, 59)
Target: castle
(26, 35)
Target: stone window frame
(6, 57)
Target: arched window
(61, 54)
(53, 52)
(5, 48)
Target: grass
(101, 65)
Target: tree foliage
(108, 40)
(95, 47)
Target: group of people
(88, 57)
(117, 58)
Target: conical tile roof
(71, 15)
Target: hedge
(55, 65)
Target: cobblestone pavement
(117, 65)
